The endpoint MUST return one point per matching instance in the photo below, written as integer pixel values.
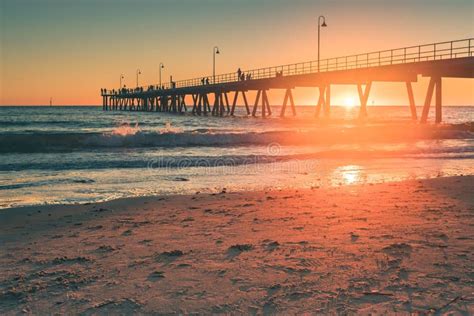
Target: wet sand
(402, 247)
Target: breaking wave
(129, 136)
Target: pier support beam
(226, 98)
(411, 99)
(234, 103)
(158, 104)
(164, 103)
(327, 103)
(265, 103)
(173, 107)
(139, 104)
(221, 104)
(195, 103)
(217, 103)
(266, 110)
(182, 103)
(127, 100)
(435, 82)
(438, 101)
(151, 104)
(257, 100)
(364, 97)
(204, 103)
(219, 108)
(321, 101)
(288, 97)
(201, 104)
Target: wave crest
(132, 137)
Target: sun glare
(350, 102)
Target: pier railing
(412, 54)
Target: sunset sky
(69, 49)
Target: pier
(452, 59)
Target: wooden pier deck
(452, 59)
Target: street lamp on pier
(215, 51)
(138, 73)
(321, 23)
(161, 67)
(121, 77)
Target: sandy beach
(402, 247)
(245, 157)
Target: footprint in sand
(95, 227)
(271, 245)
(68, 260)
(111, 307)
(100, 210)
(128, 232)
(237, 249)
(105, 249)
(398, 250)
(354, 237)
(273, 289)
(168, 255)
(145, 241)
(156, 275)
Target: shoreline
(397, 247)
(76, 187)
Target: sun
(350, 102)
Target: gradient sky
(69, 49)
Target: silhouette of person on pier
(249, 76)
(207, 80)
(239, 74)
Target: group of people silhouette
(124, 89)
(241, 76)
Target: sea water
(51, 155)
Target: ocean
(51, 155)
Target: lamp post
(138, 73)
(215, 51)
(121, 77)
(323, 24)
(161, 67)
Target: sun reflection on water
(348, 174)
